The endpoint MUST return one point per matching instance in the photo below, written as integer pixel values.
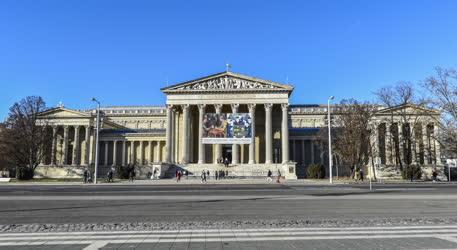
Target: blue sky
(123, 51)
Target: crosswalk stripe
(345, 229)
(229, 234)
(231, 239)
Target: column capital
(170, 106)
(66, 127)
(218, 108)
(251, 107)
(235, 107)
(201, 106)
(185, 107)
(285, 106)
(268, 106)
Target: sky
(123, 52)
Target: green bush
(415, 169)
(316, 171)
(122, 172)
(24, 173)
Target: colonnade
(61, 142)
(414, 143)
(299, 148)
(122, 152)
(170, 133)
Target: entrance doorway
(227, 152)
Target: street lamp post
(330, 160)
(97, 128)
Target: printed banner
(227, 128)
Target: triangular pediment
(227, 81)
(408, 108)
(61, 112)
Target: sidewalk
(212, 181)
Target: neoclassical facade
(285, 137)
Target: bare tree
(352, 133)
(25, 141)
(442, 89)
(398, 99)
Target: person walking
(279, 177)
(361, 174)
(216, 174)
(207, 174)
(203, 176)
(85, 176)
(110, 175)
(269, 179)
(132, 173)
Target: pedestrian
(361, 174)
(110, 175)
(216, 174)
(207, 174)
(85, 175)
(132, 173)
(434, 175)
(226, 162)
(269, 179)
(279, 177)
(203, 176)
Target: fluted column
(303, 152)
(169, 131)
(159, 157)
(388, 145)
(218, 147)
(132, 152)
(65, 146)
(185, 134)
(425, 143)
(124, 153)
(312, 151)
(437, 144)
(285, 133)
(400, 142)
(252, 144)
(141, 161)
(105, 160)
(201, 148)
(75, 158)
(235, 147)
(268, 133)
(115, 153)
(151, 152)
(54, 145)
(87, 145)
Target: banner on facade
(227, 128)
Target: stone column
(173, 140)
(124, 153)
(132, 152)
(252, 144)
(414, 145)
(201, 146)
(388, 145)
(268, 133)
(285, 133)
(87, 145)
(115, 153)
(65, 146)
(218, 147)
(169, 131)
(159, 157)
(54, 145)
(105, 160)
(141, 154)
(437, 145)
(235, 151)
(75, 158)
(185, 134)
(151, 152)
(425, 143)
(303, 152)
(312, 151)
(400, 142)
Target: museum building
(283, 137)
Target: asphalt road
(23, 204)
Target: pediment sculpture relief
(226, 83)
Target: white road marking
(336, 196)
(95, 240)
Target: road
(277, 207)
